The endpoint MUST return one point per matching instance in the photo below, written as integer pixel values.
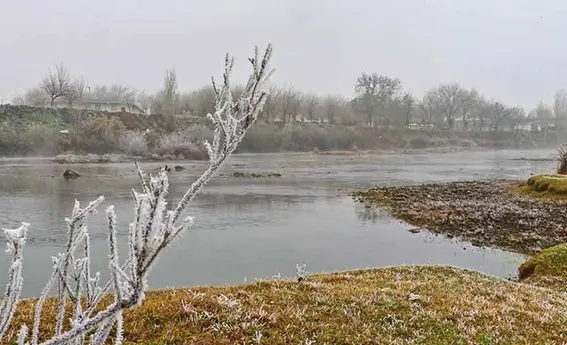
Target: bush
(42, 140)
(420, 142)
(133, 143)
(177, 145)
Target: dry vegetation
(483, 212)
(33, 131)
(398, 305)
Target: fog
(510, 49)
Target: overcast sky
(511, 50)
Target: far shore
(93, 158)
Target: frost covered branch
(153, 229)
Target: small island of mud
(486, 213)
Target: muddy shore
(485, 213)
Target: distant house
(111, 106)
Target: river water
(250, 229)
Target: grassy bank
(29, 131)
(397, 305)
(545, 187)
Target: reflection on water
(366, 213)
(255, 228)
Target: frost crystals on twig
(153, 229)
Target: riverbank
(392, 305)
(486, 213)
(31, 131)
(120, 158)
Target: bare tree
(467, 111)
(129, 98)
(153, 229)
(560, 113)
(312, 104)
(496, 115)
(374, 92)
(514, 117)
(270, 107)
(57, 84)
(407, 103)
(76, 92)
(200, 102)
(290, 104)
(169, 92)
(428, 109)
(337, 110)
(450, 99)
(143, 100)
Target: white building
(109, 105)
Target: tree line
(379, 101)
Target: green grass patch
(544, 186)
(547, 268)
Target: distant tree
(169, 92)
(374, 92)
(338, 110)
(270, 107)
(76, 92)
(450, 99)
(428, 108)
(204, 101)
(290, 104)
(143, 100)
(407, 106)
(560, 113)
(129, 97)
(18, 100)
(35, 97)
(515, 116)
(467, 110)
(57, 84)
(497, 113)
(544, 113)
(481, 114)
(311, 105)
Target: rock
(179, 168)
(70, 174)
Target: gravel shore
(485, 213)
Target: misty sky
(511, 50)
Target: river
(258, 228)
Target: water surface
(257, 228)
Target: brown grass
(397, 305)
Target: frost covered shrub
(133, 143)
(175, 145)
(42, 139)
(262, 138)
(153, 228)
(99, 135)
